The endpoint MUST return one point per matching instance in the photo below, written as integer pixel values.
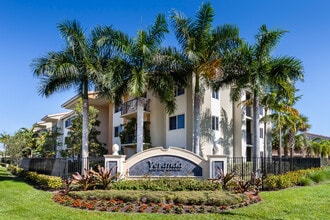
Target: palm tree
(203, 47)
(77, 66)
(30, 137)
(253, 69)
(142, 65)
(319, 147)
(301, 143)
(4, 139)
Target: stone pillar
(217, 162)
(111, 161)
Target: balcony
(129, 138)
(129, 109)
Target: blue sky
(28, 30)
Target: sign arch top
(171, 162)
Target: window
(215, 94)
(261, 110)
(118, 129)
(180, 121)
(261, 133)
(215, 123)
(176, 122)
(68, 122)
(179, 91)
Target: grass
(21, 201)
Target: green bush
(270, 183)
(300, 177)
(317, 177)
(273, 182)
(44, 181)
(305, 181)
(40, 180)
(15, 170)
(284, 182)
(217, 198)
(167, 184)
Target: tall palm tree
(203, 46)
(77, 66)
(142, 65)
(253, 69)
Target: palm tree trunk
(139, 125)
(84, 149)
(266, 153)
(197, 108)
(291, 142)
(256, 133)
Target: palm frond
(202, 26)
(225, 38)
(182, 29)
(156, 32)
(267, 41)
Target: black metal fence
(59, 166)
(243, 167)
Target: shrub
(166, 184)
(284, 181)
(270, 182)
(317, 177)
(305, 181)
(300, 177)
(15, 170)
(40, 180)
(163, 197)
(85, 181)
(104, 176)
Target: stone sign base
(169, 162)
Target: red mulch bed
(140, 207)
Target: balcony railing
(248, 111)
(130, 138)
(131, 106)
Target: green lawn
(19, 200)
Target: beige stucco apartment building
(226, 127)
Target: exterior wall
(104, 125)
(158, 119)
(226, 122)
(239, 112)
(219, 140)
(177, 137)
(189, 118)
(207, 135)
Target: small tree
(74, 141)
(47, 141)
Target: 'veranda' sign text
(165, 166)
